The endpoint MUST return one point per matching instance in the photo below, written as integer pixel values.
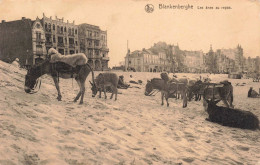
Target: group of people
(123, 85)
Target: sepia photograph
(129, 82)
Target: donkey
(56, 70)
(231, 117)
(167, 89)
(102, 82)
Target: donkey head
(94, 89)
(148, 88)
(209, 104)
(31, 82)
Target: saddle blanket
(73, 60)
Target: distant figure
(252, 93)
(121, 83)
(16, 63)
(132, 80)
(174, 76)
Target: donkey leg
(166, 98)
(230, 102)
(79, 94)
(100, 91)
(162, 96)
(105, 92)
(82, 89)
(115, 91)
(56, 82)
(112, 93)
(185, 101)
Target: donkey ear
(207, 100)
(91, 83)
(215, 102)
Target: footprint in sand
(243, 148)
(188, 160)
(31, 159)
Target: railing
(97, 47)
(39, 52)
(90, 46)
(105, 58)
(60, 44)
(72, 45)
(105, 48)
(48, 43)
(90, 56)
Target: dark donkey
(167, 89)
(56, 70)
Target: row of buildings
(170, 58)
(29, 40)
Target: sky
(192, 29)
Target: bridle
(38, 81)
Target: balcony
(90, 46)
(105, 48)
(60, 44)
(105, 58)
(97, 47)
(90, 56)
(71, 34)
(39, 52)
(59, 32)
(48, 43)
(72, 45)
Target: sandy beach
(135, 129)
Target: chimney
(50, 17)
(3, 21)
(23, 18)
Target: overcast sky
(192, 29)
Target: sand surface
(135, 129)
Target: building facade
(93, 42)
(29, 40)
(146, 61)
(193, 61)
(23, 39)
(62, 36)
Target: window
(38, 36)
(76, 31)
(96, 52)
(71, 41)
(54, 39)
(61, 29)
(60, 39)
(76, 42)
(53, 27)
(65, 29)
